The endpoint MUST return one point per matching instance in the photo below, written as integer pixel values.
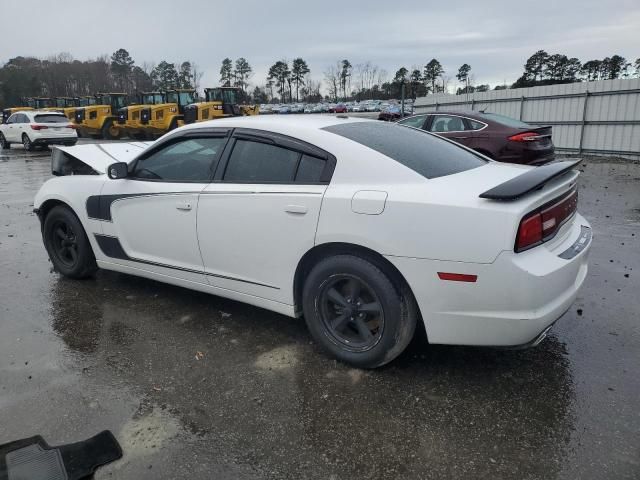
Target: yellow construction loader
(169, 115)
(100, 120)
(219, 102)
(131, 117)
(66, 105)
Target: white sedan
(37, 128)
(362, 227)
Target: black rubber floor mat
(33, 459)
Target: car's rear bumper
(55, 141)
(514, 299)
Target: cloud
(494, 37)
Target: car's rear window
(426, 154)
(51, 119)
(504, 120)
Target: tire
(67, 244)
(70, 144)
(4, 145)
(26, 143)
(387, 311)
(109, 132)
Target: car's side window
(256, 162)
(310, 169)
(475, 125)
(187, 160)
(416, 121)
(447, 123)
(12, 118)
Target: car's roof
(279, 123)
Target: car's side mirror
(118, 170)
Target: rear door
(259, 216)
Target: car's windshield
(504, 120)
(424, 153)
(51, 118)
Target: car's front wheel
(3, 143)
(67, 244)
(355, 311)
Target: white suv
(34, 128)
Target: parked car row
(339, 107)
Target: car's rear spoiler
(527, 182)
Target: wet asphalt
(195, 386)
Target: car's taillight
(529, 232)
(526, 137)
(543, 223)
(72, 126)
(38, 127)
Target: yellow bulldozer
(163, 117)
(100, 120)
(219, 102)
(131, 117)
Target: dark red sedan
(501, 138)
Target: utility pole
(402, 100)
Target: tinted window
(508, 121)
(254, 162)
(310, 169)
(51, 119)
(475, 125)
(426, 154)
(22, 118)
(447, 123)
(189, 160)
(416, 121)
(13, 118)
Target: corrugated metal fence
(592, 117)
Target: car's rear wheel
(67, 244)
(356, 313)
(26, 142)
(3, 143)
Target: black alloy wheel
(351, 312)
(65, 243)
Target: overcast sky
(494, 37)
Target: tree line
(63, 76)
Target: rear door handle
(185, 206)
(299, 209)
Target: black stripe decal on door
(99, 206)
(112, 248)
